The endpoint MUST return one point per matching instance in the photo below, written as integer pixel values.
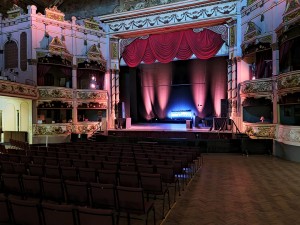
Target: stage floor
(169, 131)
(163, 127)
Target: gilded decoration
(51, 129)
(9, 88)
(91, 95)
(252, 31)
(91, 24)
(55, 14)
(84, 128)
(232, 36)
(14, 12)
(260, 130)
(95, 54)
(50, 93)
(257, 87)
(289, 82)
(57, 47)
(114, 50)
(292, 10)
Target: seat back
(53, 189)
(77, 192)
(4, 210)
(25, 212)
(12, 184)
(107, 177)
(130, 200)
(54, 214)
(151, 183)
(88, 216)
(129, 179)
(32, 186)
(103, 196)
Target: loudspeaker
(224, 108)
(121, 110)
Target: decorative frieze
(91, 95)
(288, 135)
(288, 82)
(51, 129)
(55, 93)
(195, 13)
(257, 88)
(86, 128)
(14, 89)
(260, 130)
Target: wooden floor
(235, 189)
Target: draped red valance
(165, 47)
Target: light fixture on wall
(93, 83)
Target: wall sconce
(93, 83)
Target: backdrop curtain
(42, 70)
(165, 47)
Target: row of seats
(95, 195)
(31, 212)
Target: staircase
(95, 134)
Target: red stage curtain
(165, 47)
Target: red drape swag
(165, 47)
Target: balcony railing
(14, 89)
(260, 130)
(288, 82)
(257, 88)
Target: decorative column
(113, 97)
(74, 86)
(74, 72)
(117, 93)
(275, 72)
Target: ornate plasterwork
(260, 130)
(55, 93)
(252, 31)
(57, 47)
(95, 54)
(257, 88)
(292, 10)
(13, 89)
(14, 12)
(84, 128)
(288, 135)
(55, 14)
(51, 129)
(91, 24)
(128, 5)
(197, 13)
(91, 95)
(288, 82)
(290, 17)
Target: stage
(173, 131)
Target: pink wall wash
(196, 85)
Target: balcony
(288, 82)
(13, 89)
(257, 88)
(260, 130)
(51, 92)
